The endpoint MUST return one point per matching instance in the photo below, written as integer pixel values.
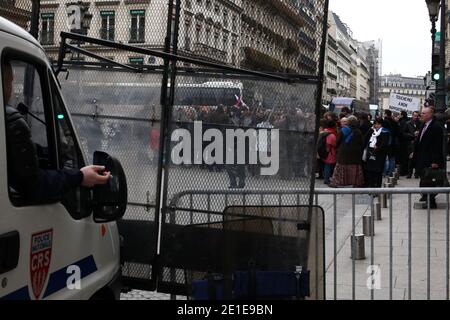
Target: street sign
(399, 103)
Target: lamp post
(441, 90)
(433, 9)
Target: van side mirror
(110, 200)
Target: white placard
(399, 103)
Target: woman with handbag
(377, 143)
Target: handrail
(319, 191)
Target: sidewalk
(400, 249)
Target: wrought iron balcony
(307, 62)
(307, 40)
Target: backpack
(322, 145)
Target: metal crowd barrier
(339, 197)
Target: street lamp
(433, 9)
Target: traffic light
(435, 70)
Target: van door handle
(9, 251)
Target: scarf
(373, 139)
(348, 134)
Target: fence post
(34, 24)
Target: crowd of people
(357, 151)
(296, 129)
(360, 151)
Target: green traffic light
(436, 76)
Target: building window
(136, 60)
(225, 42)
(207, 35)
(137, 26)
(234, 22)
(48, 28)
(216, 40)
(198, 29)
(187, 38)
(108, 25)
(225, 18)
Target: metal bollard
(383, 200)
(392, 181)
(358, 247)
(378, 210)
(388, 185)
(368, 226)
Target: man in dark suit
(428, 149)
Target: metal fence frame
(170, 73)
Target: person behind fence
(405, 137)
(320, 165)
(412, 133)
(429, 153)
(394, 129)
(329, 158)
(350, 142)
(377, 143)
(25, 176)
(236, 172)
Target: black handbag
(434, 178)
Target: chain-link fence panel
(119, 113)
(281, 36)
(138, 22)
(21, 12)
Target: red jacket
(331, 146)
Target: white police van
(65, 250)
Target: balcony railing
(212, 53)
(307, 40)
(307, 62)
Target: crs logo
(40, 258)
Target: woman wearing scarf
(377, 143)
(350, 142)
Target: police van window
(27, 93)
(29, 144)
(67, 149)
